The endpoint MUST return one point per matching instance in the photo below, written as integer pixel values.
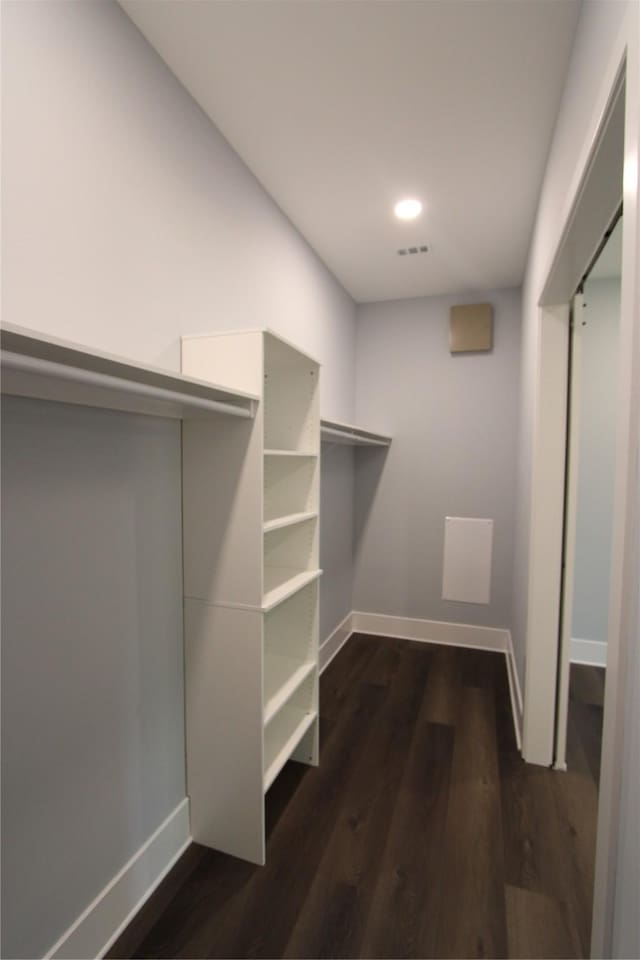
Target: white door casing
(570, 519)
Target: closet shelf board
(283, 736)
(46, 368)
(280, 583)
(336, 432)
(282, 677)
(288, 521)
(288, 453)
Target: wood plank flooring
(586, 704)
(421, 834)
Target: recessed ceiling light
(407, 209)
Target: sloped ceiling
(342, 108)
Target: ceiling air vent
(412, 250)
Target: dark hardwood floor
(584, 732)
(421, 834)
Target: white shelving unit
(250, 494)
(335, 432)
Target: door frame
(572, 470)
(588, 216)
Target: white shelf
(282, 677)
(46, 368)
(282, 736)
(288, 521)
(282, 582)
(335, 432)
(288, 453)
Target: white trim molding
(592, 653)
(546, 525)
(335, 642)
(99, 926)
(431, 631)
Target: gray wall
(594, 516)
(453, 422)
(92, 657)
(135, 215)
(336, 535)
(127, 221)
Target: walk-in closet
(302, 644)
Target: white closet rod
(347, 436)
(33, 365)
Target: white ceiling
(342, 108)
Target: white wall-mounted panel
(468, 544)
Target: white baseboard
(99, 926)
(335, 642)
(431, 631)
(589, 652)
